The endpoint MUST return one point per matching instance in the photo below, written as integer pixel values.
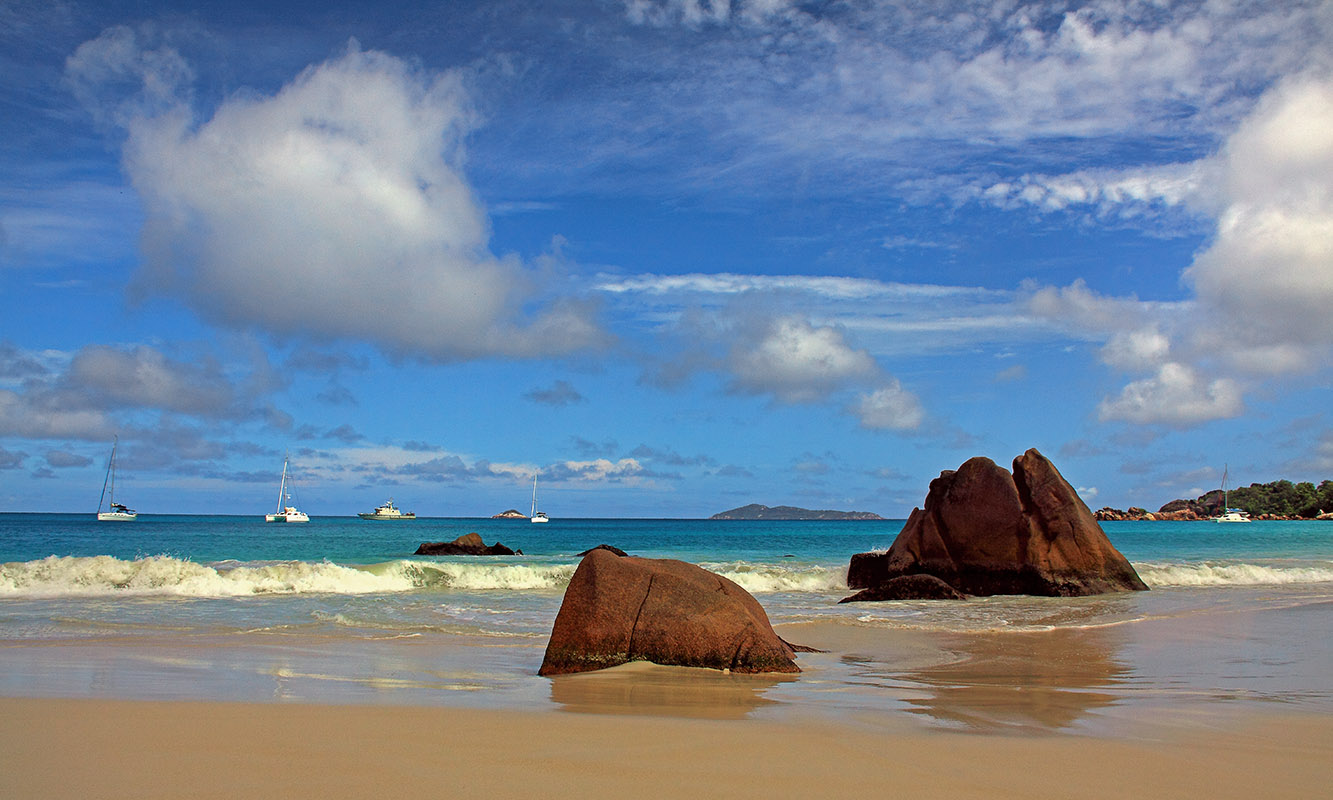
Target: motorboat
(387, 512)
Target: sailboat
(537, 516)
(116, 512)
(1229, 514)
(286, 512)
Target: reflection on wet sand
(652, 690)
(1039, 680)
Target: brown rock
(611, 548)
(469, 544)
(907, 587)
(984, 531)
(620, 609)
(1178, 515)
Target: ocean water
(339, 610)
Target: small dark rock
(907, 587)
(469, 544)
(615, 550)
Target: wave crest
(57, 576)
(1215, 574)
(767, 578)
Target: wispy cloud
(561, 393)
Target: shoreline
(69, 748)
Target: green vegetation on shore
(1281, 498)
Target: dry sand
(61, 748)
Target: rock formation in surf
(907, 587)
(984, 531)
(469, 544)
(621, 609)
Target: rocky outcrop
(621, 609)
(754, 511)
(1133, 514)
(512, 513)
(907, 587)
(469, 544)
(984, 531)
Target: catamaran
(1229, 514)
(116, 512)
(537, 516)
(286, 512)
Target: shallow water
(230, 608)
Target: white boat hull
(299, 516)
(116, 516)
(540, 518)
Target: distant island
(756, 511)
(1276, 500)
(512, 513)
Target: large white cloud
(1263, 285)
(1267, 277)
(336, 208)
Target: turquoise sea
(339, 610)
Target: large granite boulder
(469, 544)
(984, 531)
(619, 609)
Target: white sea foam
(1220, 574)
(481, 575)
(765, 578)
(58, 576)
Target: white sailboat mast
(110, 476)
(282, 486)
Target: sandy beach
(119, 749)
(307, 678)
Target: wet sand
(61, 748)
(1231, 703)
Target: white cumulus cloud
(797, 362)
(1176, 395)
(336, 208)
(889, 408)
(1267, 277)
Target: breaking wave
(57, 576)
(765, 578)
(1219, 574)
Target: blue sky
(668, 257)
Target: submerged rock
(621, 609)
(469, 544)
(984, 531)
(907, 587)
